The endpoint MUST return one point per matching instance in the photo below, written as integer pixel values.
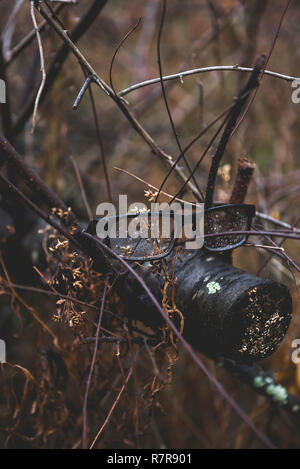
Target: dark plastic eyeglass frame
(250, 211)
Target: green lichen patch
(213, 287)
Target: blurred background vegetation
(188, 413)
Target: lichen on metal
(213, 287)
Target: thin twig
(82, 189)
(45, 216)
(42, 60)
(120, 340)
(182, 153)
(106, 421)
(280, 234)
(101, 145)
(131, 31)
(189, 146)
(48, 292)
(197, 71)
(26, 41)
(282, 224)
(279, 252)
(280, 244)
(85, 86)
(54, 292)
(211, 142)
(251, 84)
(151, 186)
(150, 353)
(254, 93)
(74, 2)
(29, 308)
(89, 380)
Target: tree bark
(228, 312)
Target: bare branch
(108, 90)
(42, 60)
(197, 71)
(31, 178)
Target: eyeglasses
(156, 235)
(223, 218)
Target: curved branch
(197, 71)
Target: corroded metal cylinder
(228, 312)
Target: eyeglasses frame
(250, 210)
